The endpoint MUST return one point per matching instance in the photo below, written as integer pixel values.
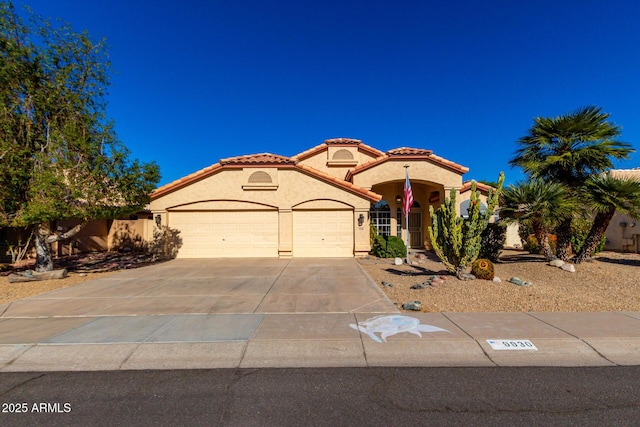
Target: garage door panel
(217, 234)
(323, 234)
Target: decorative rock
(421, 256)
(397, 261)
(467, 276)
(556, 263)
(497, 279)
(418, 286)
(437, 281)
(387, 284)
(412, 305)
(568, 267)
(519, 282)
(443, 277)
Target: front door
(415, 229)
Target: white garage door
(226, 234)
(322, 234)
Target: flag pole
(406, 214)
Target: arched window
(260, 177)
(380, 217)
(464, 208)
(342, 154)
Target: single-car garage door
(323, 233)
(226, 234)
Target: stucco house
(318, 203)
(623, 232)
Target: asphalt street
(324, 397)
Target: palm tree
(568, 149)
(604, 194)
(541, 204)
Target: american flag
(408, 196)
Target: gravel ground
(14, 291)
(611, 282)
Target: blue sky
(197, 81)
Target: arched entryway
(386, 216)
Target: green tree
(456, 240)
(568, 149)
(540, 205)
(60, 157)
(604, 195)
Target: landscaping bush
(579, 232)
(388, 247)
(396, 247)
(524, 231)
(493, 240)
(531, 245)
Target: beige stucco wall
(322, 161)
(92, 237)
(295, 190)
(128, 233)
(420, 170)
(623, 238)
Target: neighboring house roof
(466, 186)
(337, 141)
(262, 160)
(406, 153)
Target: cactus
(483, 269)
(456, 240)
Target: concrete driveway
(214, 286)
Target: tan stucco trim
(322, 204)
(221, 205)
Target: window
(380, 216)
(399, 222)
(259, 178)
(466, 204)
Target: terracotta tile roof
(406, 151)
(466, 186)
(254, 160)
(337, 141)
(339, 182)
(258, 159)
(341, 141)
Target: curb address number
(511, 345)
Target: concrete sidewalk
(283, 313)
(192, 341)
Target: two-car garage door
(226, 234)
(231, 234)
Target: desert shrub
(579, 231)
(388, 247)
(524, 231)
(396, 247)
(482, 268)
(493, 240)
(531, 244)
